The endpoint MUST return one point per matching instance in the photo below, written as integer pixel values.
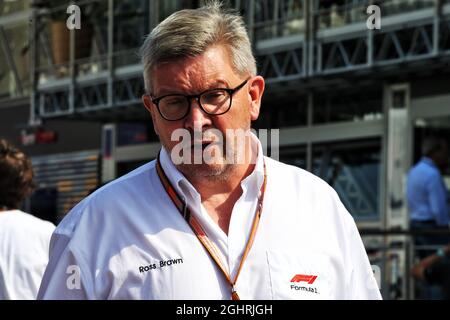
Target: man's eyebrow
(166, 91)
(220, 83)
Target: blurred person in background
(428, 206)
(435, 270)
(24, 239)
(427, 194)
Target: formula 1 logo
(304, 277)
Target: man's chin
(203, 170)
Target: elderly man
(211, 217)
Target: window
(360, 106)
(352, 168)
(281, 111)
(295, 155)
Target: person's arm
(418, 270)
(437, 197)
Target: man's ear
(147, 101)
(256, 90)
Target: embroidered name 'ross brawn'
(161, 264)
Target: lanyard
(200, 232)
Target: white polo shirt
(128, 241)
(24, 243)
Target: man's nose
(196, 116)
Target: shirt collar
(257, 175)
(187, 190)
(176, 178)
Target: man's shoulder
(423, 172)
(319, 200)
(110, 196)
(130, 181)
(29, 223)
(43, 225)
(424, 166)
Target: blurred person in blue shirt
(427, 194)
(428, 207)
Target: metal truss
(351, 183)
(6, 53)
(350, 46)
(341, 54)
(395, 46)
(289, 41)
(90, 97)
(354, 191)
(278, 18)
(283, 65)
(53, 103)
(129, 91)
(444, 40)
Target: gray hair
(190, 32)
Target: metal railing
(278, 18)
(394, 253)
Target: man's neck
(219, 194)
(219, 198)
(225, 184)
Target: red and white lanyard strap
(200, 232)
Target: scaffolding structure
(295, 42)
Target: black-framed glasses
(174, 107)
